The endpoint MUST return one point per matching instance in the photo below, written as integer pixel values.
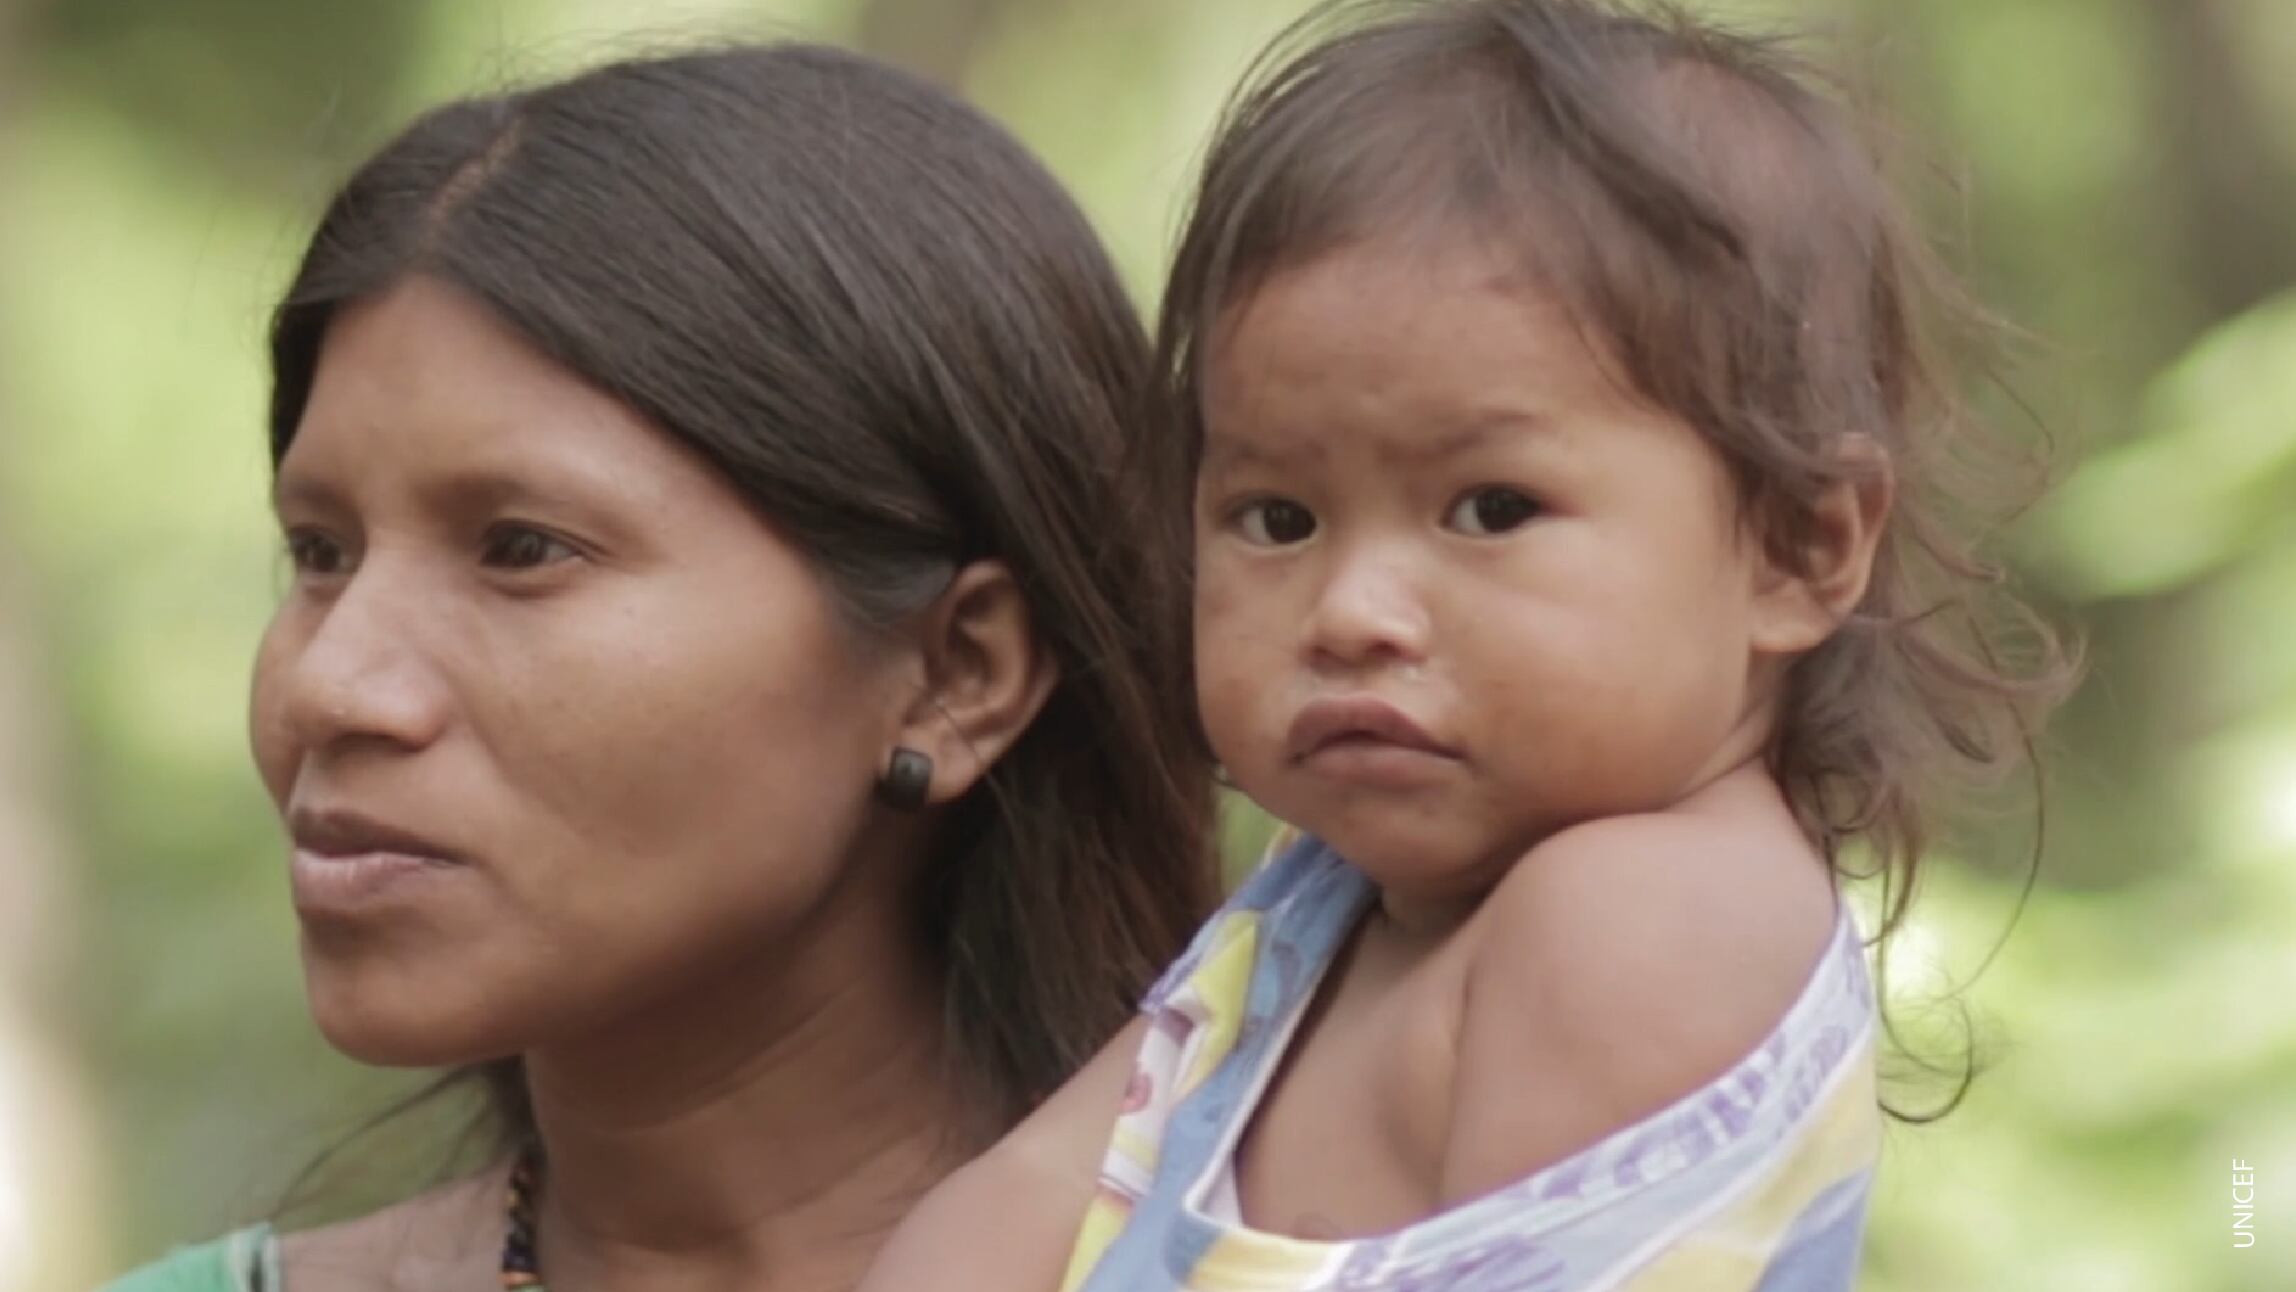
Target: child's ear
(1798, 608)
(986, 676)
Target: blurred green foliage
(2130, 197)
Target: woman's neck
(764, 1131)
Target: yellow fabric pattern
(1209, 990)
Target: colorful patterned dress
(1755, 1182)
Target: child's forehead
(1399, 277)
(1406, 384)
(1464, 311)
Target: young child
(1568, 571)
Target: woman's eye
(313, 552)
(1275, 522)
(523, 547)
(1491, 510)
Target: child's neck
(1422, 919)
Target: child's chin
(1405, 854)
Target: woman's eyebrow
(302, 491)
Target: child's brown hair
(1726, 240)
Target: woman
(726, 688)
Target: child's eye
(523, 547)
(1493, 509)
(1275, 522)
(316, 554)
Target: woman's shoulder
(450, 1236)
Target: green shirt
(245, 1261)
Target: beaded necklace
(521, 1272)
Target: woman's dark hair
(1721, 230)
(891, 329)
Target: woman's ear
(1798, 608)
(986, 678)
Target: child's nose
(1369, 615)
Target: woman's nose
(362, 674)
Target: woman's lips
(345, 832)
(346, 862)
(342, 884)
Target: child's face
(1456, 588)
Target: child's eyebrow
(1471, 433)
(1412, 446)
(1222, 451)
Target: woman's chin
(396, 1028)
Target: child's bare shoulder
(1620, 965)
(1670, 893)
(1665, 921)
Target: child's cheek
(1224, 618)
(1241, 659)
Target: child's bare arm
(1618, 967)
(1007, 1221)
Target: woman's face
(560, 727)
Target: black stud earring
(906, 780)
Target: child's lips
(1359, 723)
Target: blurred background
(2130, 197)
